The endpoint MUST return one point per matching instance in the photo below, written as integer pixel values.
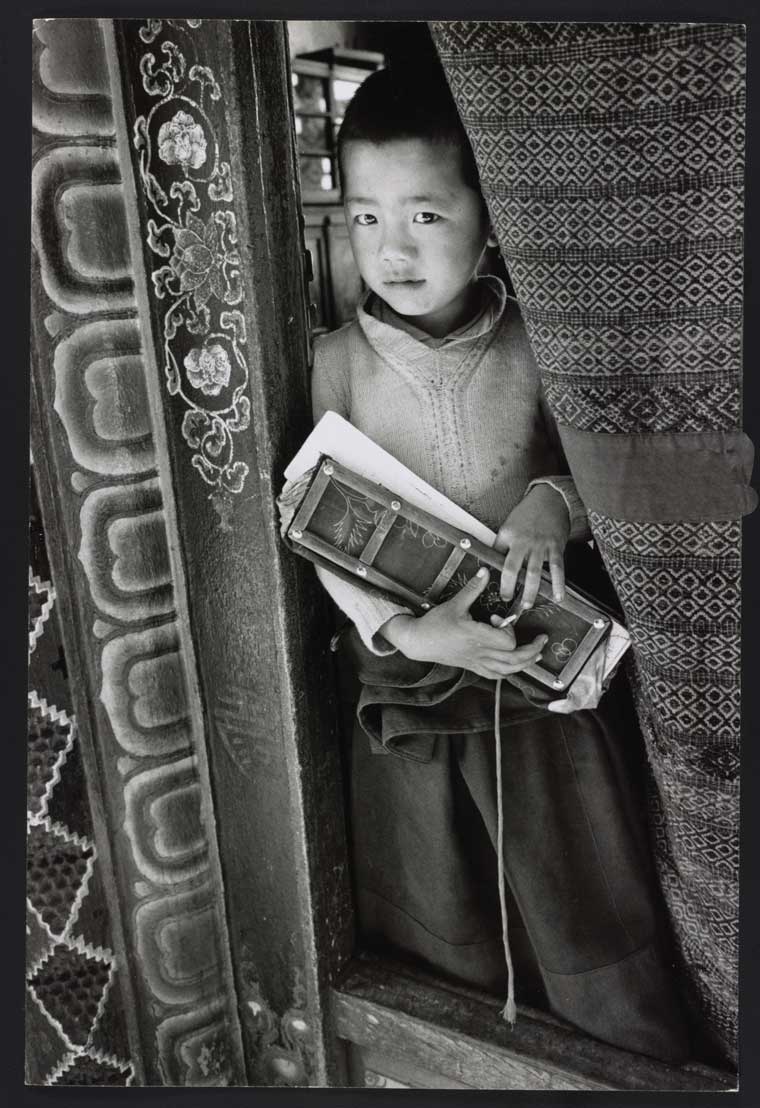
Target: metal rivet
(599, 623)
(465, 544)
(327, 467)
(296, 534)
(557, 684)
(362, 571)
(396, 505)
(425, 606)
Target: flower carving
(360, 514)
(194, 426)
(208, 368)
(181, 141)
(197, 260)
(193, 231)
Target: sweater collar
(390, 333)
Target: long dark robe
(586, 923)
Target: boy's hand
(535, 531)
(449, 635)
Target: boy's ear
(491, 240)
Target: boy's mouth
(405, 282)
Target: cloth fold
(397, 695)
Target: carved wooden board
(94, 442)
(215, 225)
(169, 383)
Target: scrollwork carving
(70, 88)
(82, 272)
(163, 821)
(143, 692)
(178, 946)
(192, 234)
(124, 551)
(101, 399)
(88, 344)
(194, 1047)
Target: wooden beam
(458, 1033)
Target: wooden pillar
(169, 387)
(114, 561)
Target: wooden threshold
(385, 1008)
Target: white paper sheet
(338, 438)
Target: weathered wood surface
(458, 1033)
(206, 143)
(375, 1070)
(112, 548)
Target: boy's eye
(426, 217)
(365, 219)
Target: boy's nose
(396, 247)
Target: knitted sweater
(464, 412)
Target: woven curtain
(611, 159)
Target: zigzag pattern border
(40, 586)
(53, 714)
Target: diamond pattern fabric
(611, 157)
(74, 1035)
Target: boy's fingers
(491, 638)
(502, 540)
(471, 590)
(517, 656)
(532, 579)
(510, 571)
(507, 633)
(557, 572)
(525, 654)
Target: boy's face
(417, 230)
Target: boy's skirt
(586, 925)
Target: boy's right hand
(450, 636)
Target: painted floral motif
(182, 142)
(152, 28)
(361, 513)
(192, 234)
(208, 369)
(490, 600)
(200, 260)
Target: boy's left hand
(534, 532)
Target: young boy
(437, 369)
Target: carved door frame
(210, 787)
(206, 690)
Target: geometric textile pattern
(679, 585)
(71, 970)
(611, 157)
(700, 403)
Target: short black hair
(406, 102)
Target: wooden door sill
(456, 1033)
